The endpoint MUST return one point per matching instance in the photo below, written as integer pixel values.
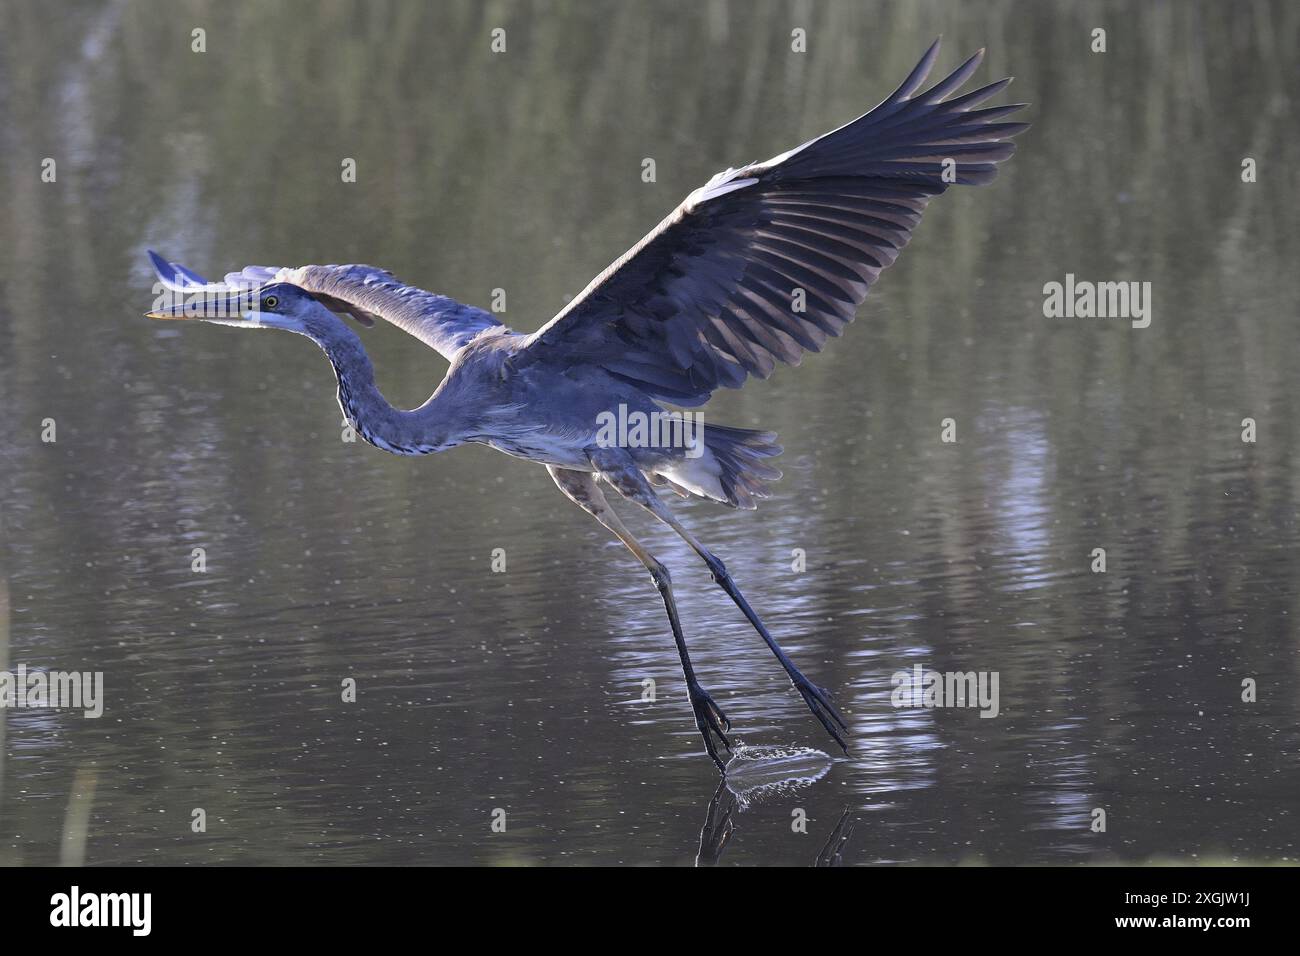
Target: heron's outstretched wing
(364, 292)
(767, 261)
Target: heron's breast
(547, 448)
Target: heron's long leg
(580, 487)
(618, 468)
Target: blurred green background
(522, 171)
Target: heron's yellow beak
(207, 307)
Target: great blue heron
(755, 267)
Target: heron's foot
(710, 720)
(819, 702)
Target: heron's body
(578, 395)
(756, 267)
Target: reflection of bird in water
(720, 826)
(832, 853)
(756, 267)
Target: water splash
(756, 773)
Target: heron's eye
(269, 303)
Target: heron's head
(279, 305)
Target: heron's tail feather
(730, 469)
(742, 454)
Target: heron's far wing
(766, 262)
(175, 276)
(366, 293)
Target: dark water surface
(522, 690)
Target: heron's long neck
(374, 418)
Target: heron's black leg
(631, 484)
(580, 487)
(817, 698)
